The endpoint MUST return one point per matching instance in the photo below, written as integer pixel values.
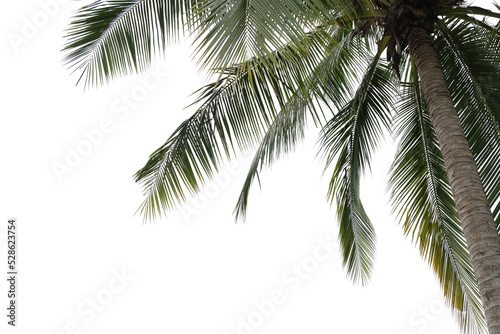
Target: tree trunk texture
(472, 205)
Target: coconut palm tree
(426, 71)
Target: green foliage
(349, 139)
(110, 38)
(278, 63)
(473, 77)
(422, 196)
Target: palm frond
(350, 138)
(236, 110)
(330, 83)
(280, 139)
(458, 12)
(239, 108)
(110, 38)
(234, 31)
(422, 196)
(234, 113)
(493, 38)
(474, 82)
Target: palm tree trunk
(472, 205)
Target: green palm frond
(278, 62)
(234, 31)
(236, 110)
(422, 196)
(479, 17)
(184, 161)
(116, 37)
(494, 42)
(330, 83)
(350, 138)
(474, 83)
(110, 38)
(460, 12)
(280, 139)
(494, 38)
(234, 113)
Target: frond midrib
(112, 26)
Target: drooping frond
(236, 110)
(422, 197)
(350, 138)
(281, 137)
(116, 37)
(330, 83)
(473, 78)
(184, 161)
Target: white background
(196, 272)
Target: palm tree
(278, 63)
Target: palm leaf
(235, 112)
(280, 139)
(350, 137)
(234, 31)
(110, 38)
(116, 37)
(493, 38)
(193, 152)
(474, 82)
(421, 193)
(330, 84)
